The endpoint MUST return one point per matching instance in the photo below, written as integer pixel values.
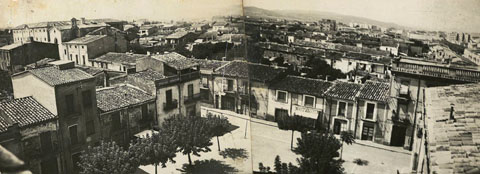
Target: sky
(17, 12)
(445, 15)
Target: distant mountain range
(303, 15)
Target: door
(398, 135)
(168, 95)
(367, 132)
(46, 141)
(337, 126)
(280, 113)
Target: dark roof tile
(54, 76)
(24, 111)
(109, 99)
(302, 85)
(376, 91)
(344, 90)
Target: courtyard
(263, 141)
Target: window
(82, 47)
(90, 127)
(75, 46)
(309, 101)
(76, 59)
(46, 141)
(144, 112)
(83, 57)
(73, 134)
(69, 103)
(71, 56)
(230, 85)
(75, 161)
(282, 96)
(168, 95)
(342, 108)
(370, 111)
(190, 90)
(65, 50)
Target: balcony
(404, 92)
(402, 119)
(191, 98)
(178, 79)
(167, 106)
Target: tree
(192, 134)
(156, 149)
(219, 126)
(347, 137)
(321, 69)
(318, 151)
(108, 157)
(295, 123)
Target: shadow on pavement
(208, 167)
(234, 153)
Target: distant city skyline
(17, 12)
(443, 15)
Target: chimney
(452, 117)
(106, 79)
(82, 20)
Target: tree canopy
(108, 157)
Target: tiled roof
(258, 72)
(376, 91)
(453, 147)
(122, 58)
(25, 111)
(54, 76)
(44, 24)
(302, 85)
(175, 60)
(210, 64)
(109, 99)
(3, 124)
(86, 39)
(148, 75)
(177, 35)
(344, 90)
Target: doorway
(367, 131)
(398, 135)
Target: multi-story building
(300, 96)
(124, 62)
(147, 30)
(173, 79)
(124, 111)
(29, 131)
(242, 87)
(447, 131)
(16, 56)
(68, 93)
(180, 38)
(341, 106)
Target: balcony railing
(178, 78)
(170, 105)
(401, 118)
(191, 98)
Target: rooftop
(148, 75)
(122, 58)
(376, 91)
(113, 98)
(24, 111)
(302, 85)
(210, 64)
(258, 72)
(344, 90)
(175, 60)
(177, 35)
(86, 39)
(454, 147)
(12, 46)
(54, 76)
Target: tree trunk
(341, 151)
(156, 172)
(189, 159)
(291, 141)
(218, 142)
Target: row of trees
(318, 154)
(189, 135)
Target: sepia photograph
(239, 87)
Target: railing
(401, 118)
(439, 72)
(170, 105)
(178, 78)
(191, 98)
